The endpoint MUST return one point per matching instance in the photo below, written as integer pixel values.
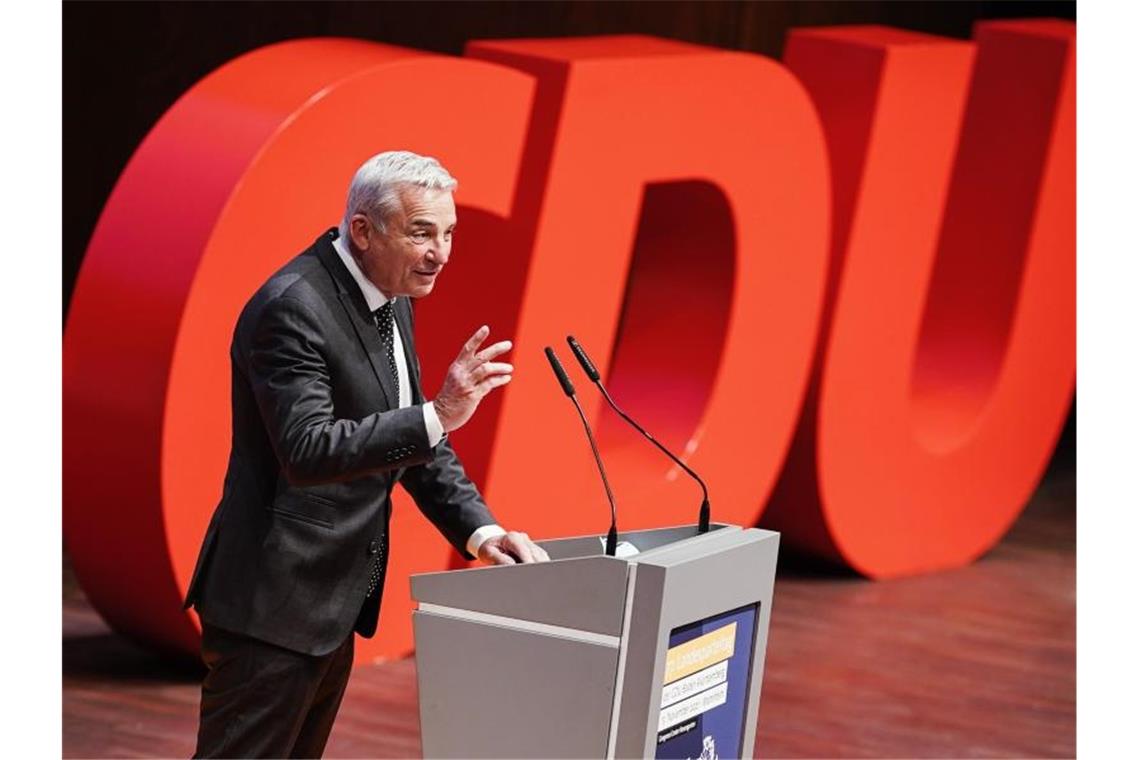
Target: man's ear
(359, 231)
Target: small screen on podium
(705, 694)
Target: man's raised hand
(470, 377)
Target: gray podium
(649, 655)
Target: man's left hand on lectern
(511, 548)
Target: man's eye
(420, 236)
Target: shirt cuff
(434, 427)
(482, 534)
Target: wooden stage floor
(976, 662)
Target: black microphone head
(587, 365)
(563, 380)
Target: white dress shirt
(435, 433)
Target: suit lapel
(358, 314)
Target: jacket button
(373, 547)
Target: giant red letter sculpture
(702, 315)
(946, 376)
(907, 266)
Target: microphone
(568, 389)
(596, 378)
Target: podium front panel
(490, 690)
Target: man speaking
(328, 415)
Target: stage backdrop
(842, 284)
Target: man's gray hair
(375, 187)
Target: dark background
(125, 63)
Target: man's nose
(440, 252)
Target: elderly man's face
(406, 257)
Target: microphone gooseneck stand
(568, 389)
(596, 378)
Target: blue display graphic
(705, 694)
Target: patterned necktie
(385, 323)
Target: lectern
(656, 653)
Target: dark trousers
(261, 700)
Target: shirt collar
(372, 295)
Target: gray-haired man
(328, 414)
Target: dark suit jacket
(318, 444)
